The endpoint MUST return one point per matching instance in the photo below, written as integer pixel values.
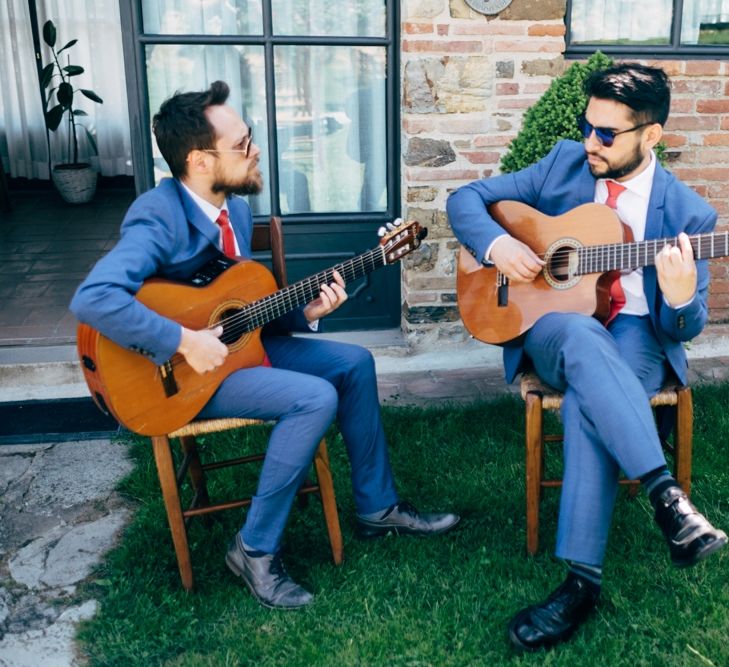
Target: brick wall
(466, 81)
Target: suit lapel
(243, 232)
(654, 230)
(197, 218)
(654, 217)
(585, 187)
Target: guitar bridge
(502, 290)
(169, 384)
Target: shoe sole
(366, 532)
(704, 553)
(237, 572)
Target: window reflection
(322, 17)
(621, 21)
(202, 17)
(705, 22)
(330, 113)
(176, 67)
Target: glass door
(317, 82)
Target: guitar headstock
(400, 238)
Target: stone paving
(59, 512)
(59, 515)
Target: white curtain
(613, 20)
(702, 11)
(96, 26)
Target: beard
(250, 184)
(616, 171)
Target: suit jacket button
(681, 321)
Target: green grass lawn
(410, 601)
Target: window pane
(621, 21)
(330, 111)
(202, 17)
(705, 22)
(320, 17)
(172, 68)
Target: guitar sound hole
(561, 264)
(235, 324)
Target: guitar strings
(595, 258)
(302, 291)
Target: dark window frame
(135, 41)
(673, 51)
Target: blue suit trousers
(312, 382)
(607, 377)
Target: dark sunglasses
(604, 135)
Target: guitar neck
(628, 256)
(267, 309)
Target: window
(311, 82)
(318, 83)
(655, 28)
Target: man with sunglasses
(607, 373)
(178, 227)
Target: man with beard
(172, 231)
(606, 373)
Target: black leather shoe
(404, 519)
(690, 536)
(554, 620)
(266, 578)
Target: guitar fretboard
(625, 256)
(267, 309)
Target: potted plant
(76, 181)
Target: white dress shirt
(632, 209)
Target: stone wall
(466, 81)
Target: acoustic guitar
(584, 251)
(240, 295)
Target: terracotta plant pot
(75, 182)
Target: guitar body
(496, 320)
(135, 390)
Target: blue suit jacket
(164, 234)
(560, 182)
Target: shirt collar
(210, 210)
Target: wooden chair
(539, 397)
(265, 237)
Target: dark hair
(646, 90)
(181, 126)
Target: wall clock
(488, 7)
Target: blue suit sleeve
(106, 298)
(467, 207)
(687, 322)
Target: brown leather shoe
(404, 519)
(266, 578)
(554, 620)
(690, 537)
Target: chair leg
(171, 496)
(328, 501)
(197, 474)
(534, 456)
(684, 438)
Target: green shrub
(554, 116)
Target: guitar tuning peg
(381, 232)
(389, 226)
(397, 222)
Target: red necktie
(227, 233)
(229, 249)
(617, 296)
